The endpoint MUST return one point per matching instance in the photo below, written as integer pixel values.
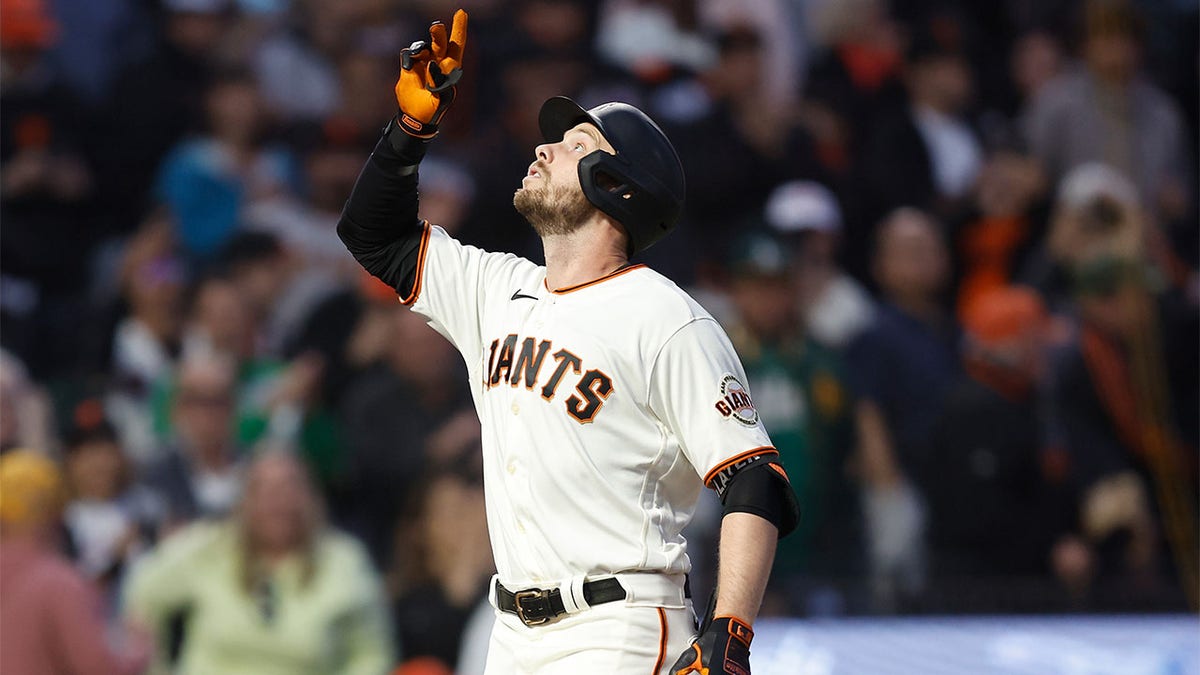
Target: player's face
(550, 196)
(557, 164)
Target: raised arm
(379, 224)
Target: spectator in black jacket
(926, 153)
(155, 102)
(994, 510)
(46, 183)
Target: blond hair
(31, 488)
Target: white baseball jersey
(604, 408)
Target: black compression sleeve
(379, 224)
(762, 490)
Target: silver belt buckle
(521, 596)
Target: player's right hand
(722, 649)
(428, 72)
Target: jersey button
(516, 409)
(512, 468)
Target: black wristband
(406, 149)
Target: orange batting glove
(722, 649)
(428, 73)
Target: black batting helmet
(642, 185)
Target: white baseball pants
(612, 638)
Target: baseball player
(608, 398)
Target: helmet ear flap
(612, 184)
(634, 198)
(609, 190)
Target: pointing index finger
(458, 36)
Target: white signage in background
(1062, 645)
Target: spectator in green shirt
(800, 392)
(271, 590)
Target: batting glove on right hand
(428, 73)
(722, 649)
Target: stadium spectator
(1109, 111)
(110, 519)
(347, 334)
(448, 193)
(1037, 60)
(258, 267)
(557, 31)
(304, 222)
(26, 415)
(97, 41)
(46, 184)
(413, 385)
(855, 73)
(199, 473)
(221, 321)
(800, 394)
(274, 398)
(1128, 422)
(146, 342)
(208, 182)
(1097, 211)
(280, 400)
(926, 153)
(155, 101)
(774, 21)
(50, 615)
(270, 590)
(806, 215)
(277, 289)
(902, 367)
(652, 42)
(999, 242)
(382, 31)
(363, 104)
(296, 69)
(996, 507)
(435, 586)
(737, 149)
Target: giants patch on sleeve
(734, 402)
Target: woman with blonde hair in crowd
(270, 590)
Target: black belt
(536, 606)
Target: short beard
(553, 210)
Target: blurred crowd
(955, 245)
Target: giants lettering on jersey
(524, 366)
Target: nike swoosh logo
(518, 295)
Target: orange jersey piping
(416, 289)
(762, 450)
(572, 289)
